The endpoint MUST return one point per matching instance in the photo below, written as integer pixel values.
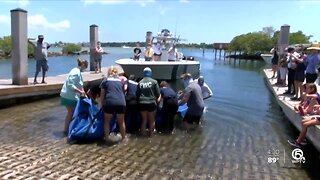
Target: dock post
(283, 43)
(283, 40)
(93, 44)
(19, 39)
(148, 38)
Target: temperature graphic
(272, 160)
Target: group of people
(154, 52)
(124, 97)
(309, 105)
(300, 67)
(295, 66)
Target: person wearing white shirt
(157, 52)
(173, 53)
(205, 89)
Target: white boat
(267, 58)
(124, 46)
(163, 69)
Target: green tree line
(263, 41)
(6, 47)
(250, 43)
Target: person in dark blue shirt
(131, 115)
(169, 107)
(113, 101)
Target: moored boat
(267, 58)
(162, 69)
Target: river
(242, 128)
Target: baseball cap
(147, 72)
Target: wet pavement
(32, 147)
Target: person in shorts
(71, 91)
(148, 95)
(41, 57)
(307, 121)
(113, 101)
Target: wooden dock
(13, 94)
(287, 105)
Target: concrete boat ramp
(13, 94)
(287, 105)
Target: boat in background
(124, 46)
(267, 58)
(163, 69)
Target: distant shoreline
(51, 54)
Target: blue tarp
(88, 122)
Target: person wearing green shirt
(148, 95)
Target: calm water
(242, 128)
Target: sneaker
(294, 144)
(304, 142)
(124, 140)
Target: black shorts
(191, 119)
(114, 109)
(311, 78)
(148, 107)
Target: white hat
(147, 69)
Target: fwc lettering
(145, 85)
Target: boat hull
(267, 58)
(160, 69)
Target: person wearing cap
(137, 52)
(192, 95)
(187, 79)
(71, 91)
(312, 60)
(148, 53)
(41, 56)
(113, 101)
(148, 95)
(205, 89)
